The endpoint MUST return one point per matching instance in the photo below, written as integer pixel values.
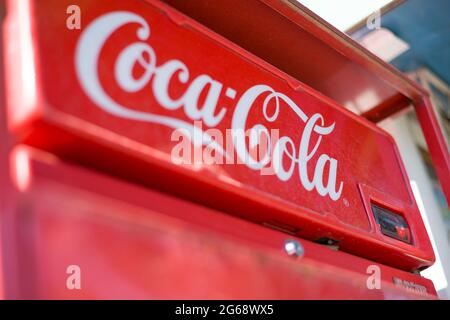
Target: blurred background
(414, 36)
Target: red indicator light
(392, 224)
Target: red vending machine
(203, 150)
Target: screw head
(294, 248)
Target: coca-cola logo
(160, 77)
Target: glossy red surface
(436, 143)
(298, 42)
(295, 40)
(134, 243)
(55, 110)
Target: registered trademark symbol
(346, 203)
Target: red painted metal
(301, 44)
(136, 243)
(130, 125)
(327, 60)
(56, 213)
(436, 143)
(388, 108)
(3, 164)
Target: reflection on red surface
(134, 243)
(123, 126)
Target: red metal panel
(115, 122)
(436, 143)
(130, 242)
(330, 62)
(295, 40)
(4, 169)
